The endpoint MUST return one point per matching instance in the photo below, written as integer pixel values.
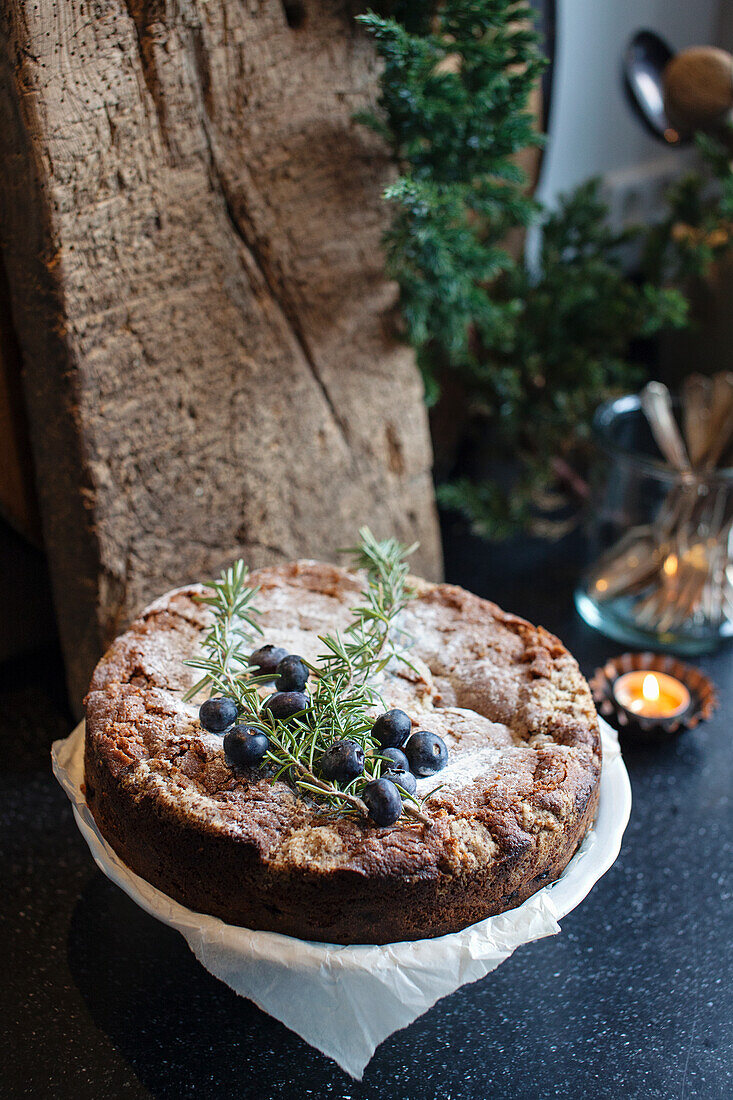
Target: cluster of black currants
(245, 746)
(409, 756)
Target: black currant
(397, 760)
(292, 673)
(426, 752)
(245, 746)
(284, 704)
(342, 761)
(217, 715)
(392, 729)
(383, 801)
(405, 779)
(267, 658)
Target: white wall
(592, 129)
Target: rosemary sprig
(369, 643)
(342, 695)
(233, 630)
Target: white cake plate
(346, 1000)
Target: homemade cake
(516, 798)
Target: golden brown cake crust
(520, 790)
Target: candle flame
(670, 565)
(650, 688)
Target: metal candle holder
(703, 697)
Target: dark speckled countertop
(632, 1000)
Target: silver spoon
(647, 56)
(656, 402)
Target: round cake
(515, 800)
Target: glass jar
(663, 570)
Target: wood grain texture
(191, 224)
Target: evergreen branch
(533, 351)
(234, 627)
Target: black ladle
(645, 60)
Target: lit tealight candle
(651, 694)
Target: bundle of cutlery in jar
(678, 569)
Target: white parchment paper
(346, 1000)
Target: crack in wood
(281, 301)
(143, 21)
(237, 222)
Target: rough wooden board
(191, 225)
